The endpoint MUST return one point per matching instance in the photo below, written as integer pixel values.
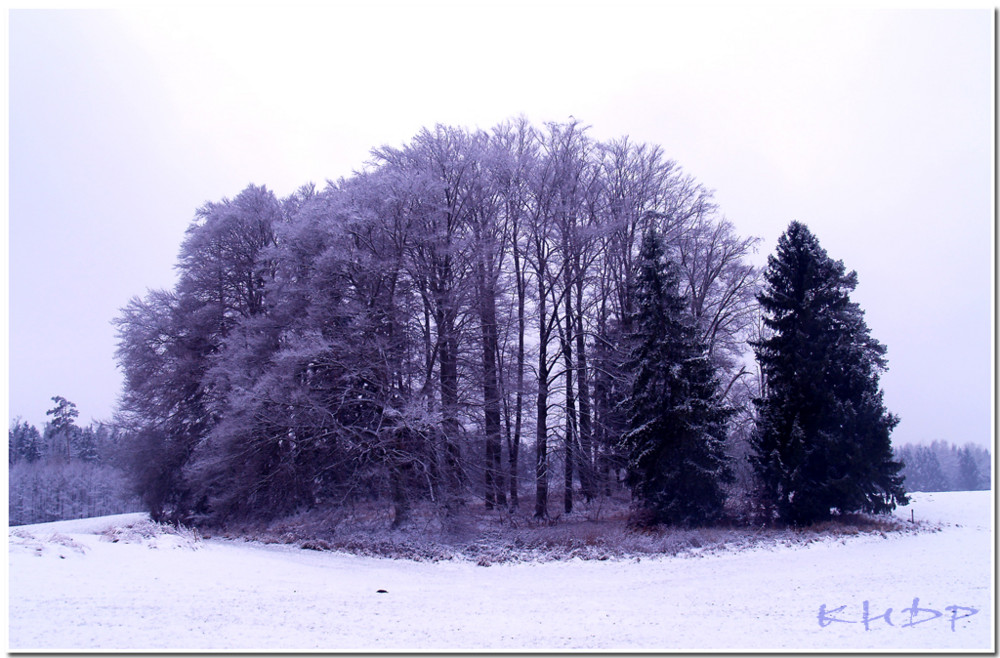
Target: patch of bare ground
(596, 531)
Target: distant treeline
(65, 471)
(944, 466)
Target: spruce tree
(676, 422)
(822, 436)
(24, 443)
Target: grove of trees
(65, 471)
(455, 321)
(490, 315)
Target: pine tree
(822, 435)
(675, 420)
(62, 429)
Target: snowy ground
(73, 588)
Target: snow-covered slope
(73, 589)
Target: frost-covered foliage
(51, 490)
(64, 537)
(599, 531)
(38, 544)
(401, 334)
(152, 534)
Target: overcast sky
(875, 128)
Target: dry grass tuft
(602, 530)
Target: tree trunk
(514, 448)
(491, 390)
(586, 456)
(400, 498)
(570, 437)
(448, 358)
(541, 426)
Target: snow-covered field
(73, 588)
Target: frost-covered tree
(434, 177)
(514, 152)
(822, 440)
(676, 422)
(922, 469)
(164, 346)
(170, 340)
(968, 477)
(720, 287)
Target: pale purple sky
(873, 127)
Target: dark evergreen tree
(62, 430)
(822, 435)
(84, 444)
(676, 423)
(25, 443)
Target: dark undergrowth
(596, 531)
